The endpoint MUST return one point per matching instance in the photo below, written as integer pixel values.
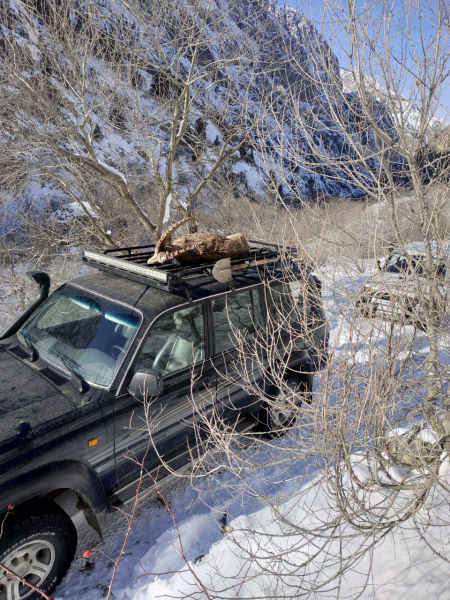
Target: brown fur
(197, 247)
(166, 237)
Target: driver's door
(177, 347)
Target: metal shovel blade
(222, 270)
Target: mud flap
(91, 518)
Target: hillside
(90, 116)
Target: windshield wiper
(69, 367)
(32, 352)
(74, 374)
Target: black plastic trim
(70, 474)
(43, 281)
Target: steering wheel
(161, 358)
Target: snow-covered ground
(402, 565)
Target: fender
(303, 358)
(70, 474)
(298, 358)
(313, 359)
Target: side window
(280, 302)
(304, 293)
(241, 312)
(176, 341)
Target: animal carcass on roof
(196, 247)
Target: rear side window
(280, 302)
(176, 341)
(239, 312)
(288, 301)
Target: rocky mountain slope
(407, 112)
(98, 87)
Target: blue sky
(422, 24)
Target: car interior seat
(183, 346)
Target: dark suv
(79, 369)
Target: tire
(420, 324)
(275, 421)
(39, 545)
(366, 308)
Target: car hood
(27, 398)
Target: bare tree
(371, 445)
(143, 104)
(374, 431)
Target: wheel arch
(301, 362)
(301, 366)
(61, 475)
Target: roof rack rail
(130, 262)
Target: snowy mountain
(407, 112)
(97, 88)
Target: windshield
(82, 332)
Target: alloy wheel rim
(32, 562)
(281, 409)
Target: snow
(402, 565)
(390, 572)
(252, 176)
(213, 134)
(113, 170)
(71, 210)
(137, 148)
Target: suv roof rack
(131, 262)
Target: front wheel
(39, 548)
(281, 409)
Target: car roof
(115, 288)
(150, 300)
(128, 292)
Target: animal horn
(167, 235)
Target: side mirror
(146, 384)
(379, 264)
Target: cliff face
(101, 85)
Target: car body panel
(20, 410)
(71, 474)
(99, 428)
